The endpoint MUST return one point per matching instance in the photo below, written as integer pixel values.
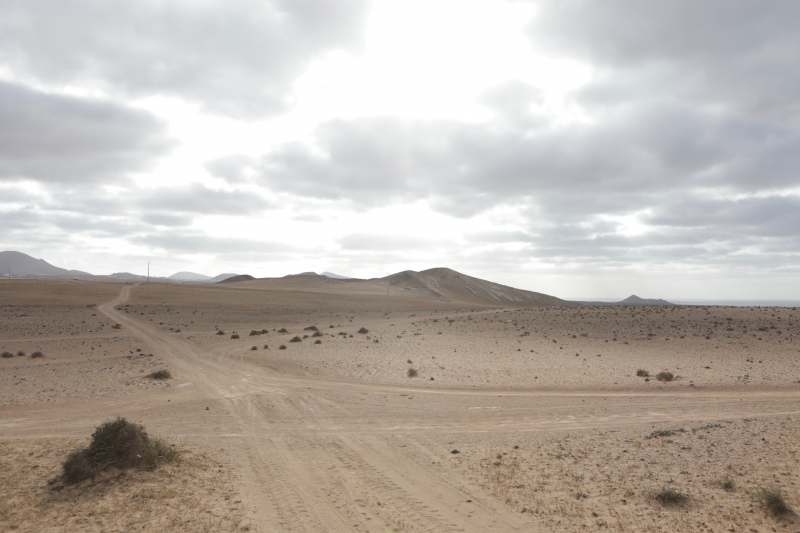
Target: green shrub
(665, 376)
(120, 444)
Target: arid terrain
(417, 402)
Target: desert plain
(309, 404)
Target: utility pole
(148, 272)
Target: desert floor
(515, 420)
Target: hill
(630, 300)
(189, 276)
(22, 265)
(234, 279)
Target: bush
(317, 334)
(7, 355)
(412, 372)
(160, 374)
(264, 331)
(235, 336)
(120, 444)
(363, 330)
(254, 348)
(642, 373)
(220, 332)
(665, 376)
(116, 326)
(771, 499)
(254, 332)
(317, 341)
(37, 354)
(311, 328)
(283, 330)
(282, 347)
(20, 354)
(725, 483)
(667, 496)
(296, 339)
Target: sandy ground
(553, 429)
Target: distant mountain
(635, 300)
(630, 300)
(189, 276)
(22, 265)
(335, 276)
(301, 274)
(234, 279)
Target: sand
(554, 429)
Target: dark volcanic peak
(234, 279)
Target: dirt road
(319, 454)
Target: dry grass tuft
(667, 496)
(771, 499)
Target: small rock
(207, 409)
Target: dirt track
(321, 454)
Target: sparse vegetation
(317, 334)
(363, 330)
(7, 355)
(664, 433)
(665, 376)
(220, 332)
(160, 374)
(296, 339)
(282, 347)
(311, 328)
(254, 332)
(642, 373)
(37, 354)
(235, 336)
(116, 326)
(120, 444)
(725, 483)
(254, 348)
(412, 373)
(317, 341)
(20, 354)
(283, 330)
(771, 500)
(667, 496)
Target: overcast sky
(578, 148)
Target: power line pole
(148, 272)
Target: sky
(571, 147)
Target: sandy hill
(437, 284)
(448, 284)
(235, 278)
(22, 264)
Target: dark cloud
(73, 141)
(235, 57)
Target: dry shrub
(665, 376)
(254, 348)
(296, 339)
(642, 373)
(20, 354)
(317, 334)
(37, 354)
(412, 372)
(235, 336)
(160, 374)
(220, 332)
(7, 355)
(667, 496)
(771, 499)
(120, 444)
(317, 341)
(311, 328)
(282, 347)
(283, 330)
(363, 330)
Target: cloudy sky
(573, 147)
